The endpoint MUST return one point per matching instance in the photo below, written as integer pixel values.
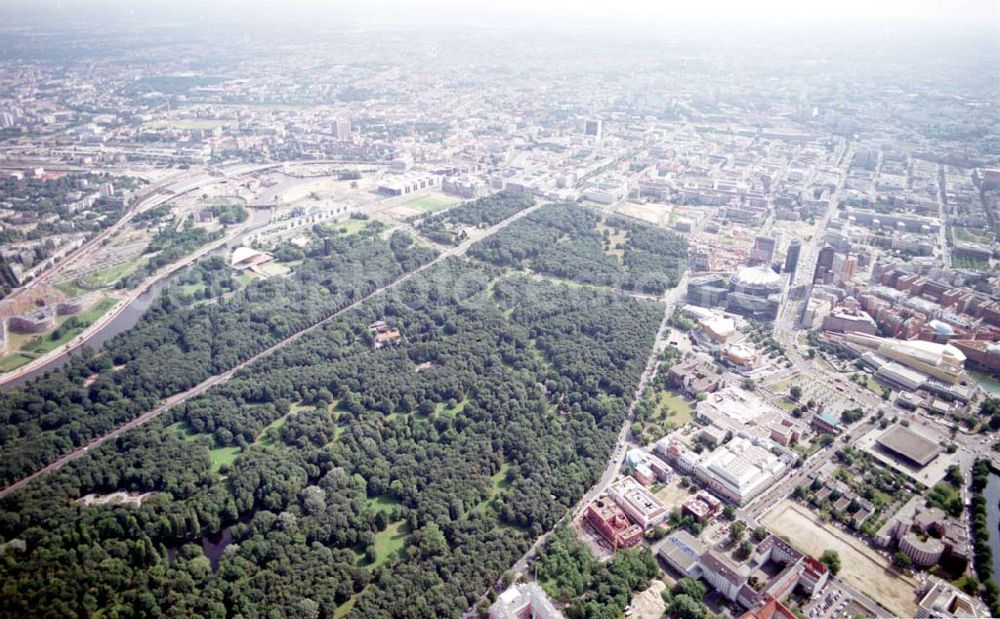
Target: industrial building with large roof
(904, 442)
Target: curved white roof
(929, 352)
(241, 254)
(941, 328)
(758, 276)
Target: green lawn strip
(70, 289)
(382, 503)
(673, 407)
(350, 226)
(387, 544)
(500, 484)
(15, 360)
(344, 609)
(183, 430)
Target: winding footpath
(222, 377)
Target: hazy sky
(779, 13)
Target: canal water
(989, 384)
(992, 494)
(212, 546)
(134, 311)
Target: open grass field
(275, 270)
(107, 277)
(674, 408)
(673, 494)
(389, 542)
(245, 278)
(431, 203)
(442, 407)
(265, 438)
(863, 568)
(344, 609)
(183, 431)
(15, 360)
(191, 289)
(224, 456)
(382, 503)
(70, 289)
(349, 226)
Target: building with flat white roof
(719, 329)
(525, 601)
(945, 601)
(606, 189)
(739, 470)
(641, 506)
(407, 183)
(733, 408)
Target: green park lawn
(223, 456)
(430, 203)
(382, 503)
(110, 275)
(350, 226)
(15, 360)
(389, 542)
(673, 408)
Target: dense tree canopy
(446, 227)
(402, 480)
(176, 346)
(574, 242)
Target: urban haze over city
(514, 310)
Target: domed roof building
(941, 328)
(754, 292)
(758, 281)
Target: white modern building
(641, 506)
(606, 189)
(739, 470)
(525, 601)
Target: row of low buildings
(44, 318)
(909, 365)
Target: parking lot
(837, 601)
